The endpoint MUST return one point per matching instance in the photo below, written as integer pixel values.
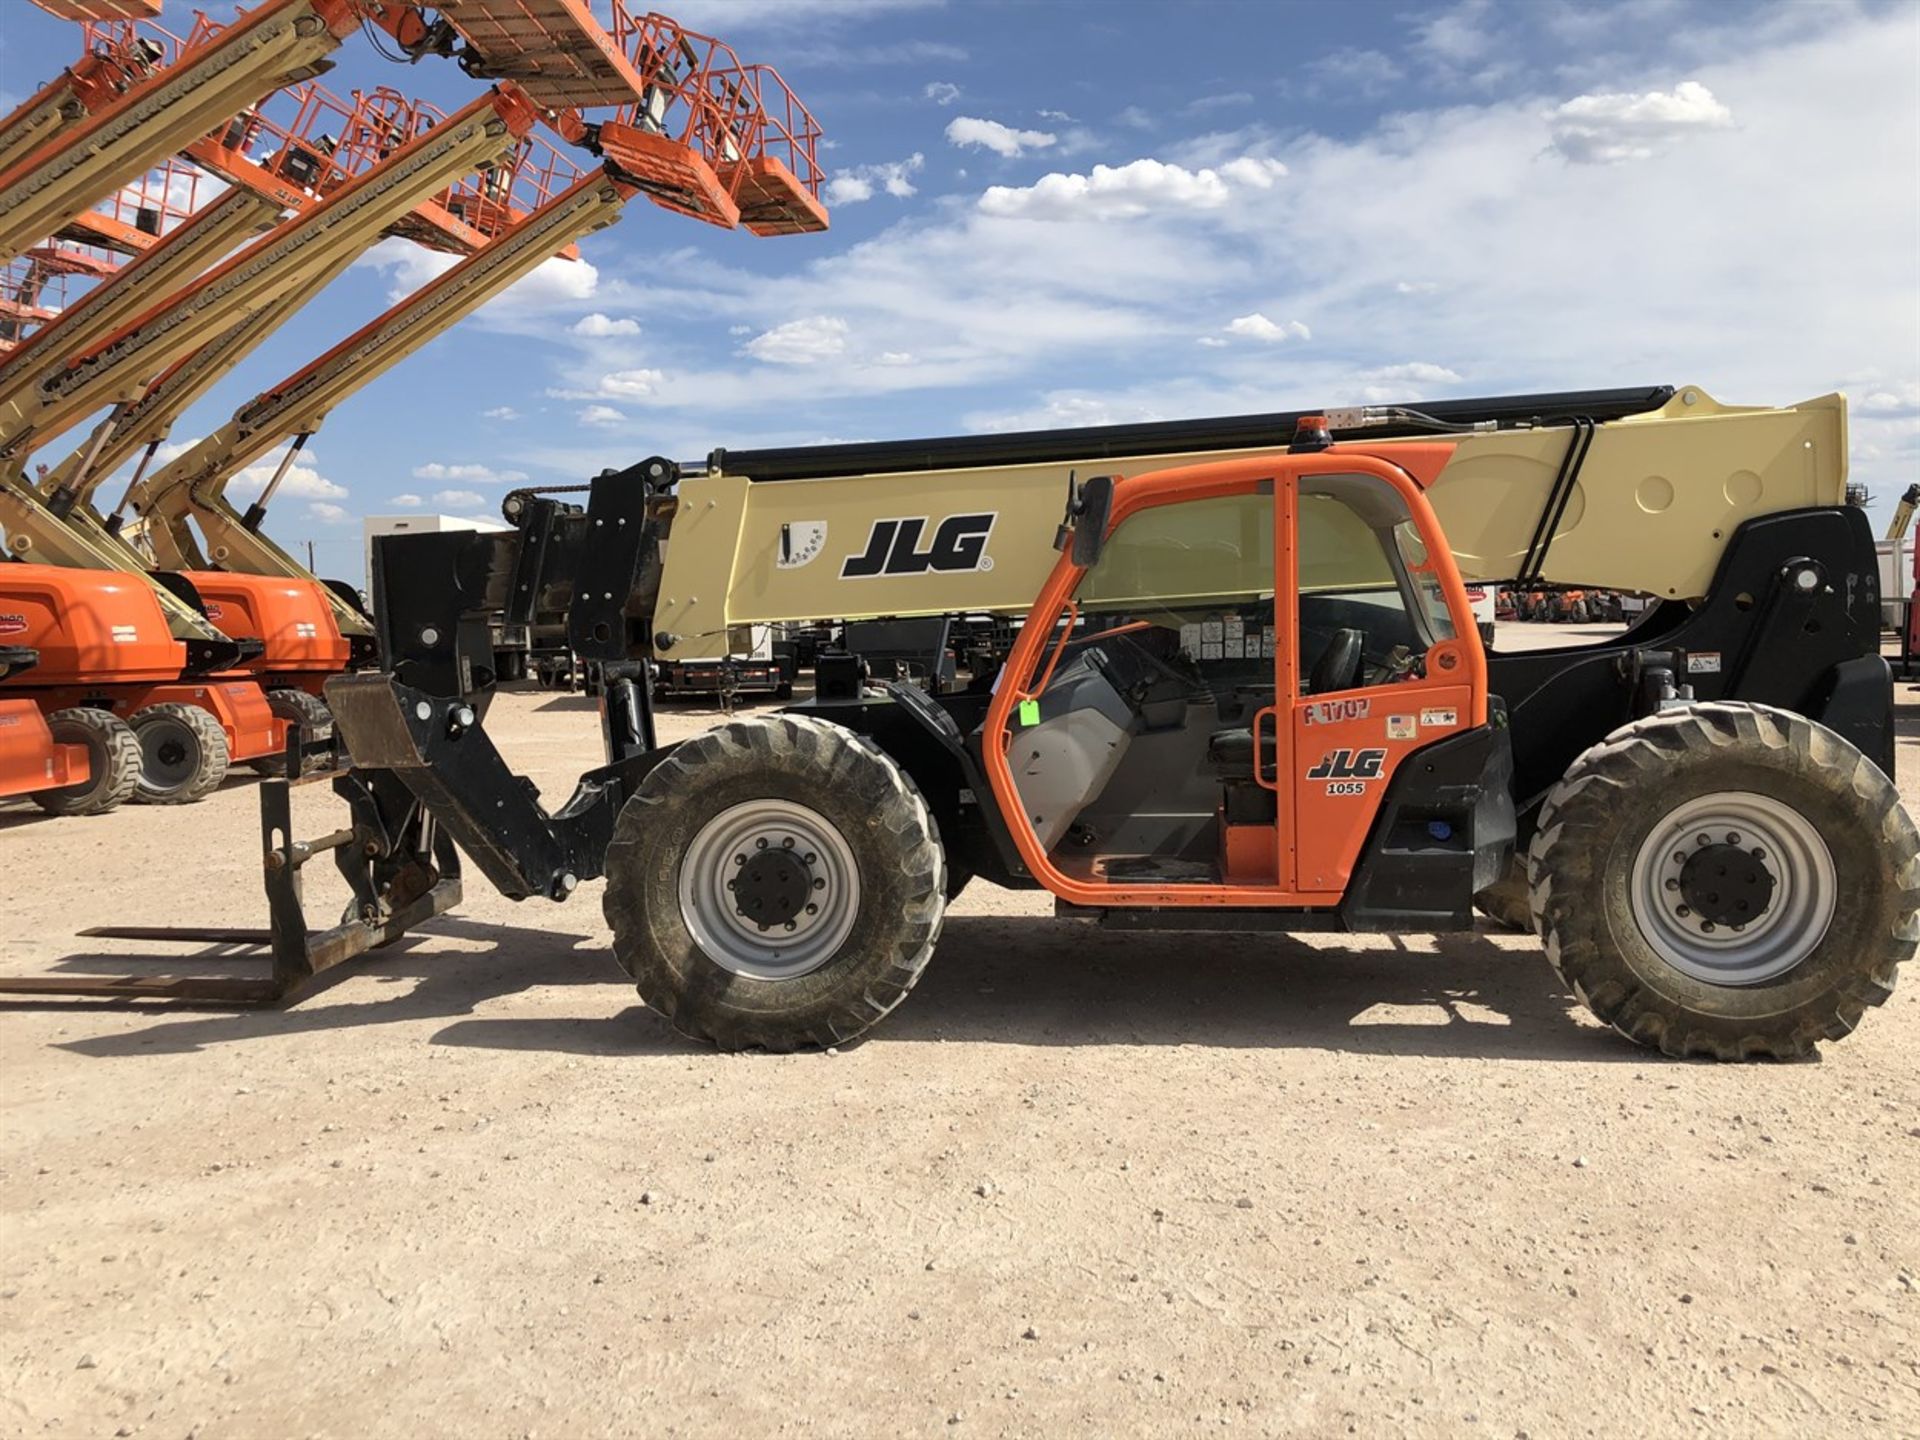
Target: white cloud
(500, 412)
(327, 513)
(1607, 129)
(1890, 400)
(1455, 36)
(1414, 287)
(1258, 327)
(1125, 192)
(600, 327)
(1060, 115)
(941, 92)
(965, 130)
(1419, 372)
(895, 357)
(851, 186)
(629, 384)
(800, 342)
(484, 474)
(407, 502)
(302, 480)
(1212, 342)
(1257, 172)
(459, 499)
(601, 415)
(553, 283)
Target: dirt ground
(1080, 1180)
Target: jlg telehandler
(1247, 694)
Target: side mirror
(1090, 528)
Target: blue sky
(1081, 213)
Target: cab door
(1383, 650)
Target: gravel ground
(1157, 1184)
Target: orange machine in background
(74, 762)
(104, 646)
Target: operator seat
(1338, 667)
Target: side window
(1362, 621)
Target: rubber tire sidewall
(113, 763)
(847, 781)
(1581, 866)
(209, 740)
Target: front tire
(1725, 880)
(183, 754)
(776, 883)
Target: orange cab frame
(1303, 874)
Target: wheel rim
(789, 869)
(1734, 888)
(169, 758)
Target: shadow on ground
(1011, 981)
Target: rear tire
(310, 714)
(721, 808)
(113, 761)
(183, 754)
(1730, 881)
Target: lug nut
(760, 844)
(739, 859)
(1733, 837)
(1706, 927)
(1672, 884)
(787, 844)
(792, 926)
(1683, 912)
(807, 858)
(819, 884)
(812, 909)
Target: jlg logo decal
(13, 624)
(1348, 771)
(893, 548)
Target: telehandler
(1247, 693)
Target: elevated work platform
(281, 42)
(287, 259)
(554, 49)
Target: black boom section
(1792, 620)
(1167, 437)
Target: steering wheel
(1138, 655)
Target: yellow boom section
(1654, 504)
